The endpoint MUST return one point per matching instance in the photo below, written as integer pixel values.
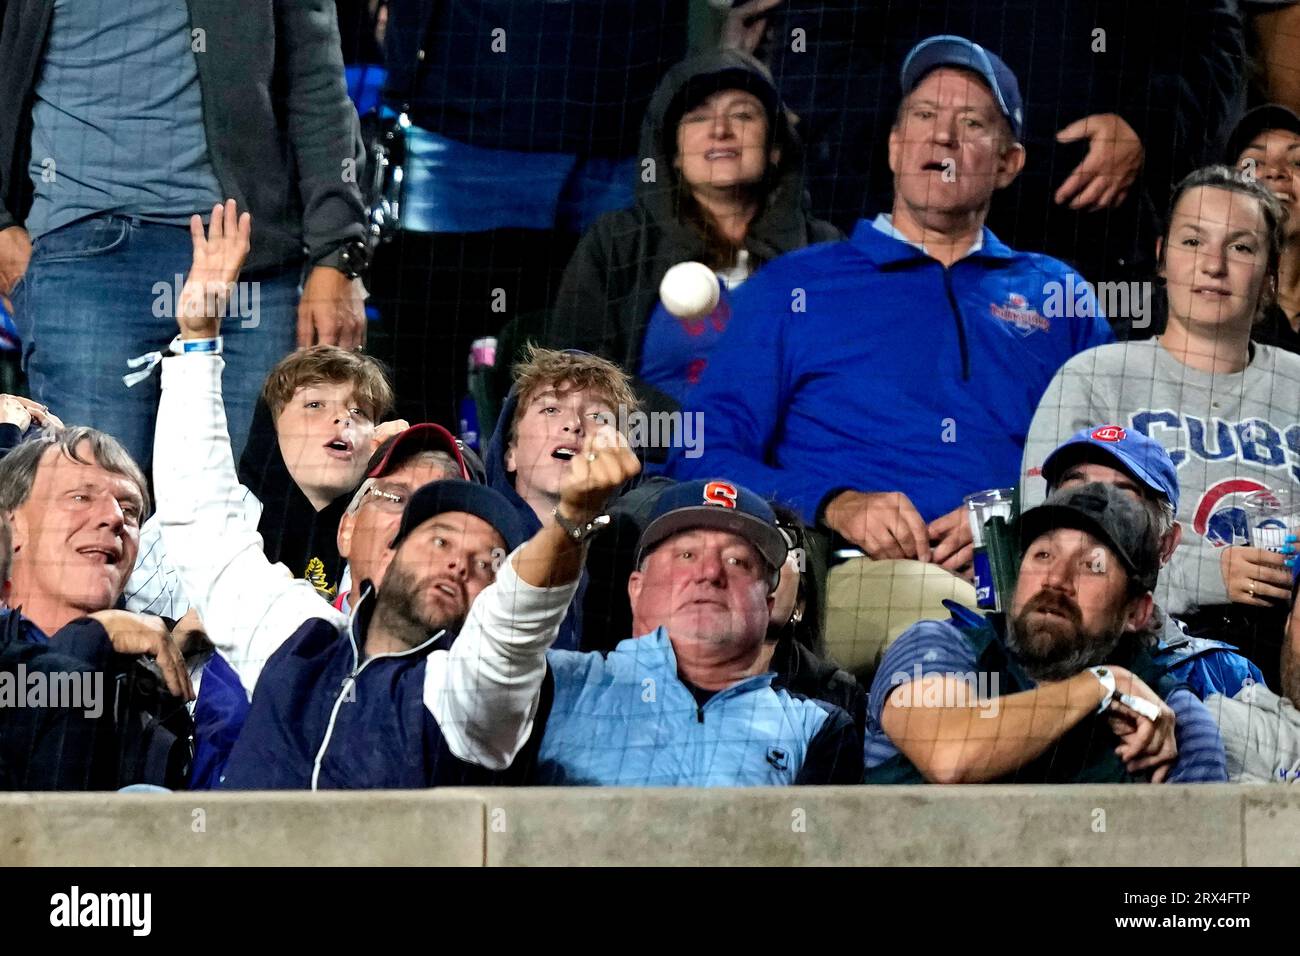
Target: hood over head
(781, 221)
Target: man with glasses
(414, 457)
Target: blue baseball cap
(949, 50)
(439, 497)
(1142, 457)
(715, 503)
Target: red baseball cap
(417, 438)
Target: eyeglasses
(387, 500)
(793, 535)
(391, 502)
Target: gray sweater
(1228, 435)
(1261, 735)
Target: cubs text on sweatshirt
(1229, 435)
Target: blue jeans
(103, 290)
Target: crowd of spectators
(255, 512)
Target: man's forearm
(550, 558)
(484, 691)
(987, 740)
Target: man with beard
(1140, 467)
(386, 705)
(1261, 729)
(1062, 693)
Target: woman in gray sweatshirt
(1225, 408)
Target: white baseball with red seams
(689, 290)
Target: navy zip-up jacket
(324, 718)
(867, 365)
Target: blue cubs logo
(1221, 517)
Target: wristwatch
(1107, 679)
(352, 259)
(579, 532)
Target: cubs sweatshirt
(1229, 434)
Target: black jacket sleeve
(835, 753)
(322, 125)
(1180, 107)
(584, 317)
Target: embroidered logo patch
(778, 757)
(720, 493)
(315, 573)
(1017, 312)
(1109, 433)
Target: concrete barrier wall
(868, 826)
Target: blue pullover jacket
(867, 365)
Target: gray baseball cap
(1123, 525)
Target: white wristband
(182, 346)
(1107, 681)
(1144, 707)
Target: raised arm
(484, 691)
(248, 605)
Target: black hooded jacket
(293, 531)
(611, 285)
(504, 482)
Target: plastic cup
(980, 507)
(483, 352)
(983, 505)
(1273, 515)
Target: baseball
(689, 290)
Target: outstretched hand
(218, 257)
(1106, 173)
